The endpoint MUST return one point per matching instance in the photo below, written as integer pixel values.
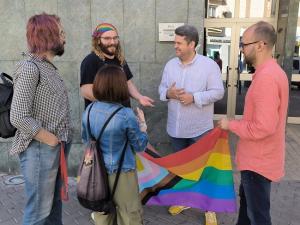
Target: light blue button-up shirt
(202, 78)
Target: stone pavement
(285, 205)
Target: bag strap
(5, 108)
(11, 79)
(88, 122)
(37, 68)
(104, 126)
(7, 76)
(64, 189)
(119, 169)
(107, 121)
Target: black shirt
(91, 64)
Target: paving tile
(285, 201)
(285, 207)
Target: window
(257, 8)
(220, 8)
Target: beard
(249, 60)
(250, 57)
(59, 49)
(105, 49)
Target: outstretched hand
(146, 101)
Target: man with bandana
(106, 49)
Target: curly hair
(97, 50)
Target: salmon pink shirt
(261, 147)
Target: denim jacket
(123, 125)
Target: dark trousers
(254, 199)
(182, 143)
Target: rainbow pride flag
(199, 176)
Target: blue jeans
(40, 167)
(254, 194)
(181, 143)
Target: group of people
(190, 85)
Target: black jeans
(254, 194)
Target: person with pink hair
(40, 111)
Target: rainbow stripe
(102, 28)
(199, 176)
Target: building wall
(137, 23)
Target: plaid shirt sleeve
(27, 78)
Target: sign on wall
(167, 31)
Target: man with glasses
(106, 49)
(261, 148)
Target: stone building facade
(137, 23)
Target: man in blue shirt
(191, 83)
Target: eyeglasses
(107, 39)
(243, 45)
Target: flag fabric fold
(199, 176)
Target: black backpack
(6, 93)
(7, 130)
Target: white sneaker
(93, 217)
